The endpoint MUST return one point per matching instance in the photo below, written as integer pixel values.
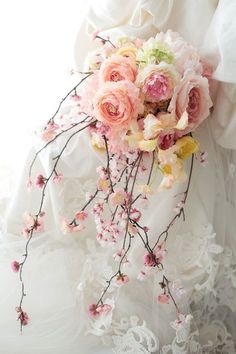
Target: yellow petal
(183, 121)
(186, 147)
(147, 145)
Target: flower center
(193, 103)
(111, 109)
(156, 87)
(115, 76)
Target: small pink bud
(15, 266)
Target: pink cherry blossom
(49, 132)
(149, 260)
(118, 197)
(163, 298)
(122, 279)
(81, 215)
(135, 214)
(160, 251)
(69, 227)
(22, 316)
(58, 178)
(118, 255)
(15, 266)
(25, 232)
(96, 310)
(31, 222)
(40, 181)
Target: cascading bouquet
(140, 102)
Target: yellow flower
(148, 145)
(129, 51)
(167, 169)
(186, 147)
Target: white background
(37, 41)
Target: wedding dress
(65, 273)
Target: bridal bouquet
(140, 101)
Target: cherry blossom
(15, 266)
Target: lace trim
(131, 337)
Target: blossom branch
(36, 223)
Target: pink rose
(191, 95)
(158, 81)
(166, 140)
(118, 68)
(117, 103)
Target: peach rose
(118, 68)
(158, 81)
(191, 95)
(117, 103)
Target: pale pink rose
(163, 298)
(191, 95)
(122, 279)
(158, 81)
(117, 68)
(15, 266)
(117, 103)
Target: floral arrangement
(140, 102)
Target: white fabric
(65, 273)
